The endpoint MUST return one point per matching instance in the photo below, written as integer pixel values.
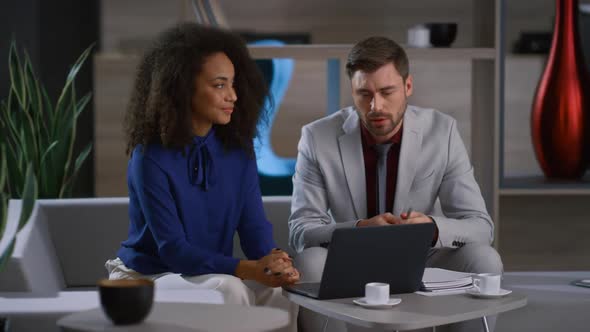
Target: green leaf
(25, 137)
(55, 167)
(81, 105)
(29, 114)
(3, 168)
(48, 106)
(29, 82)
(51, 146)
(82, 157)
(38, 97)
(15, 74)
(35, 115)
(45, 172)
(68, 165)
(43, 117)
(5, 256)
(30, 194)
(47, 177)
(3, 213)
(13, 130)
(72, 75)
(77, 165)
(29, 137)
(63, 118)
(15, 176)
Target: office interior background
(540, 225)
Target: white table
(414, 312)
(28, 312)
(184, 317)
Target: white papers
(444, 292)
(444, 282)
(435, 278)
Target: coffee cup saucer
(476, 293)
(363, 303)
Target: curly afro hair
(160, 107)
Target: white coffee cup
(377, 293)
(419, 36)
(487, 283)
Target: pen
(408, 213)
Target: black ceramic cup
(442, 34)
(126, 301)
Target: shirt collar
(370, 140)
(200, 159)
(199, 140)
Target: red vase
(561, 113)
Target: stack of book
(444, 282)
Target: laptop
(393, 254)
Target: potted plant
(36, 132)
(36, 142)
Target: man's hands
(274, 270)
(415, 218)
(380, 220)
(390, 219)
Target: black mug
(442, 34)
(126, 301)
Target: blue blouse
(185, 208)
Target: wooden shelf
(538, 185)
(340, 51)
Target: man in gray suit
(372, 163)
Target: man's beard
(389, 128)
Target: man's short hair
(370, 54)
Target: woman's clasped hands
(276, 269)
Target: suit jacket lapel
(410, 150)
(351, 150)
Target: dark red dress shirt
(370, 157)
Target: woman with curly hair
(192, 173)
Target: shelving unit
(326, 51)
(541, 219)
(538, 185)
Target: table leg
(4, 324)
(484, 320)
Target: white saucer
(501, 293)
(392, 301)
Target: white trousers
(234, 290)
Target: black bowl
(126, 301)
(442, 34)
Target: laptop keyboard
(308, 288)
(312, 287)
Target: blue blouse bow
(200, 162)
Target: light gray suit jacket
(329, 183)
